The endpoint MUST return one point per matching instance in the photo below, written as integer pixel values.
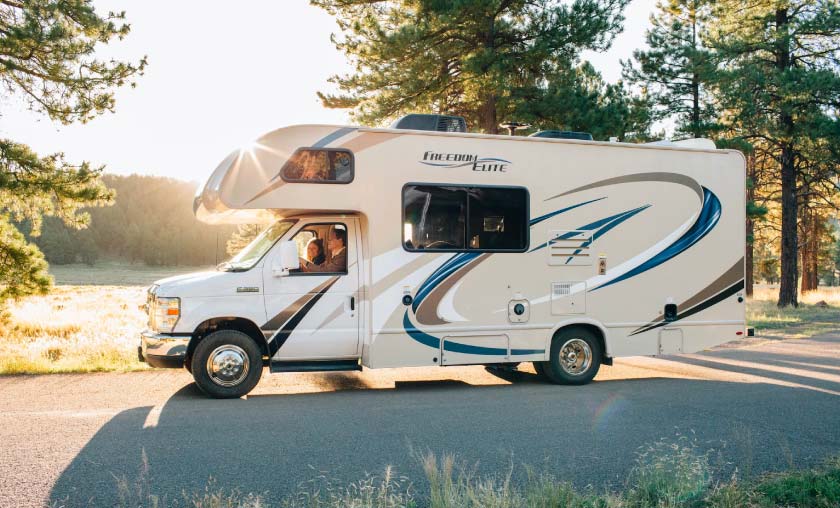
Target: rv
(431, 246)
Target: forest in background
(150, 222)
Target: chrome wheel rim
(575, 357)
(228, 365)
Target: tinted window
(498, 218)
(465, 218)
(315, 165)
(434, 217)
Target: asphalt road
(66, 439)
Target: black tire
(582, 346)
(222, 379)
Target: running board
(315, 366)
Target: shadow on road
(272, 444)
(817, 372)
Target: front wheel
(227, 364)
(575, 357)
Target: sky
(218, 77)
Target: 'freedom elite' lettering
(459, 160)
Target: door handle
(352, 303)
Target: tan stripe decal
(367, 140)
(640, 177)
(730, 277)
(427, 312)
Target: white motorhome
(400, 248)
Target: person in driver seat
(338, 248)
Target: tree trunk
(805, 248)
(789, 257)
(811, 232)
(487, 115)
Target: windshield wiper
(227, 266)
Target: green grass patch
(806, 320)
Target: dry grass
(74, 329)
(807, 320)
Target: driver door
(314, 315)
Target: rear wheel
(227, 364)
(575, 357)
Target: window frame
(346, 248)
(467, 217)
(320, 149)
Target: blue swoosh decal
(709, 216)
(602, 226)
(547, 216)
(445, 270)
(456, 347)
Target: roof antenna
(512, 127)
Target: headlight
(164, 313)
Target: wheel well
(597, 332)
(243, 325)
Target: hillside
(151, 222)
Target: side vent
(438, 123)
(569, 248)
(559, 289)
(568, 299)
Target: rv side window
(462, 218)
(319, 165)
(498, 218)
(434, 218)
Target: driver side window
(322, 249)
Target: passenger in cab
(315, 251)
(337, 244)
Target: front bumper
(163, 350)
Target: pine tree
(780, 77)
(677, 68)
(467, 57)
(46, 59)
(579, 99)
(244, 234)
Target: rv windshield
(254, 251)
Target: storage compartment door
(670, 341)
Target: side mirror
(289, 259)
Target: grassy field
(818, 312)
(74, 329)
(91, 320)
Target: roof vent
(562, 135)
(439, 123)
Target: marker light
(164, 313)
